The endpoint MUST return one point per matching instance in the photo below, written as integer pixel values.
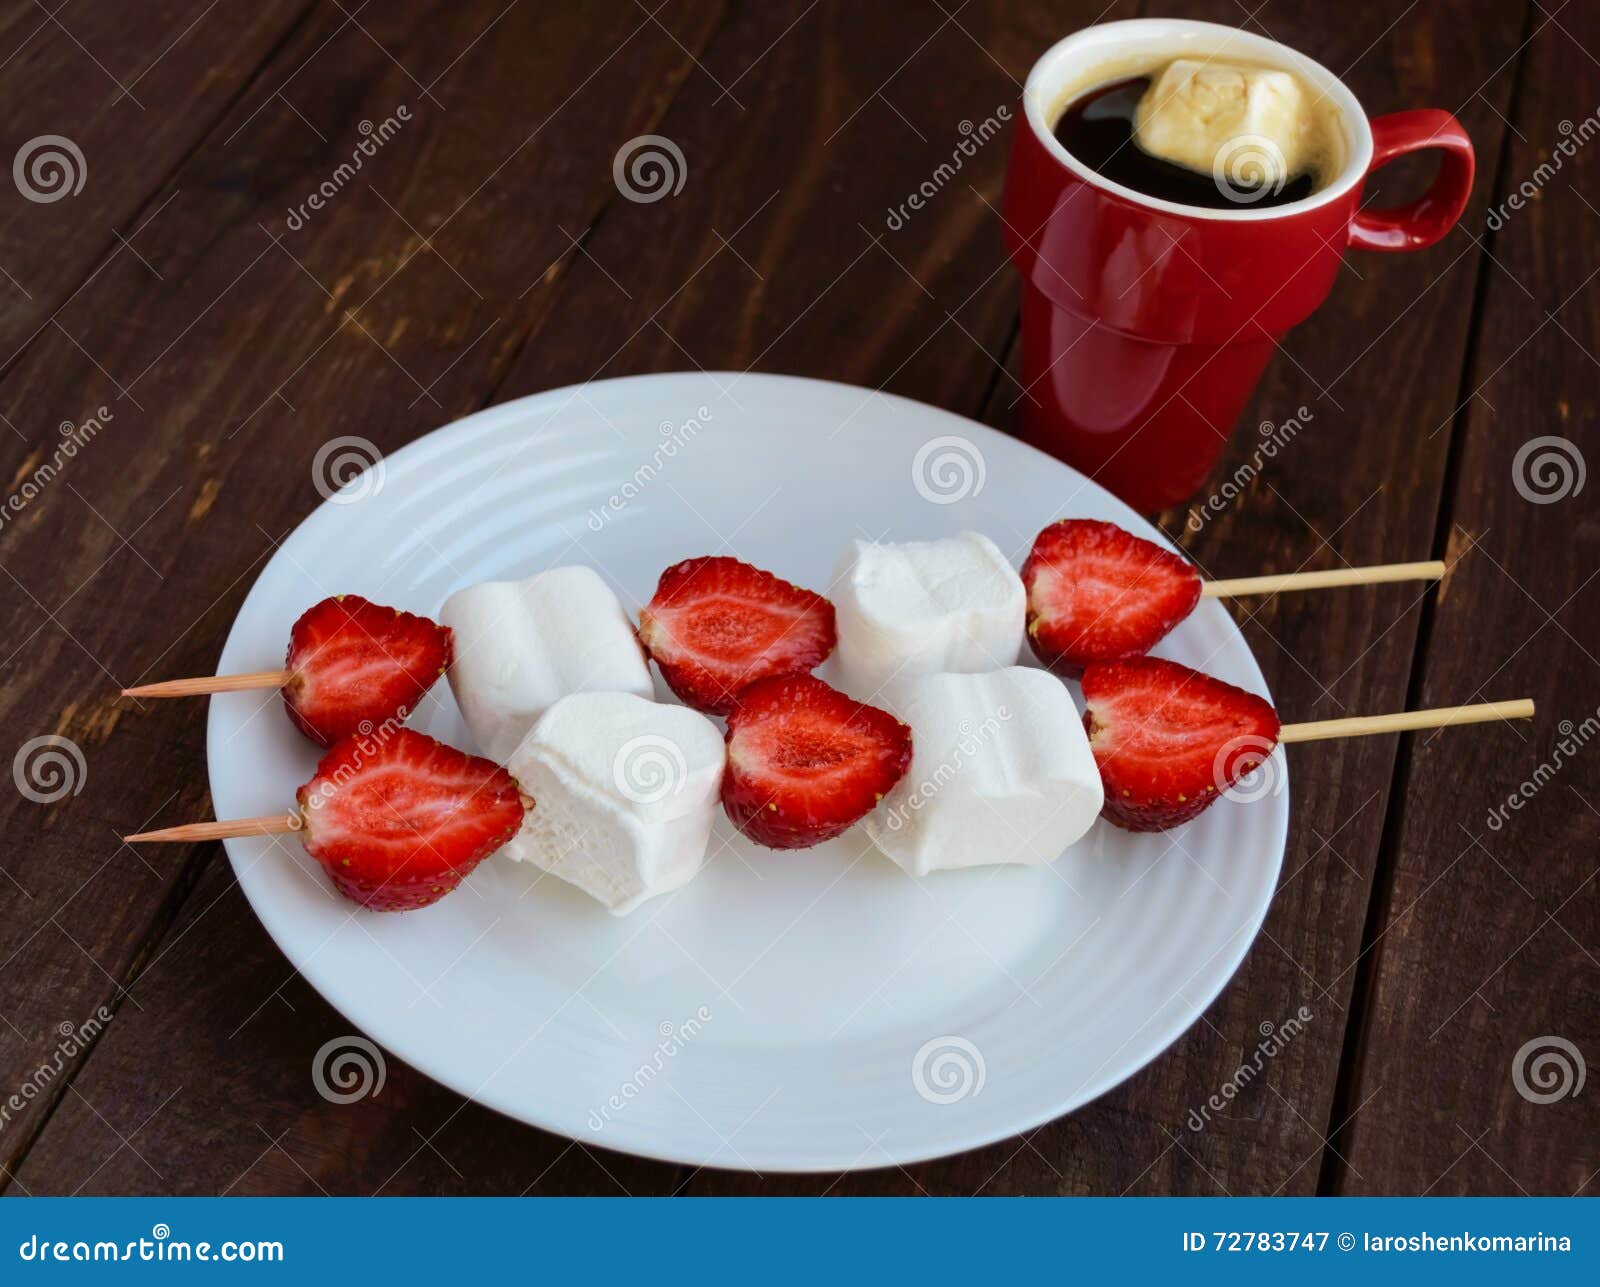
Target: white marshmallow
(925, 607)
(521, 646)
(1001, 772)
(1248, 125)
(624, 793)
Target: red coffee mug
(1146, 324)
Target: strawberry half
(1098, 593)
(1168, 739)
(353, 665)
(805, 761)
(716, 624)
(398, 820)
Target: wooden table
(483, 252)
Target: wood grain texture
(212, 1088)
(101, 82)
(239, 338)
(1486, 952)
(792, 247)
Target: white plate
(785, 1011)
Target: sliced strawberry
(353, 665)
(1098, 593)
(805, 761)
(716, 624)
(1169, 739)
(398, 820)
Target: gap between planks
(1332, 1175)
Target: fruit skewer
(1098, 593)
(352, 666)
(396, 820)
(1169, 741)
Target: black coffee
(1098, 130)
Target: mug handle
(1427, 219)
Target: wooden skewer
(202, 684)
(1404, 721)
(277, 824)
(272, 824)
(1377, 575)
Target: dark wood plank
(1354, 485)
(226, 354)
(1486, 954)
(133, 98)
(212, 1088)
(791, 247)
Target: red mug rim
(1173, 37)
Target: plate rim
(956, 1141)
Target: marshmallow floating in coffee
(1251, 127)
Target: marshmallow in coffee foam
(1250, 123)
